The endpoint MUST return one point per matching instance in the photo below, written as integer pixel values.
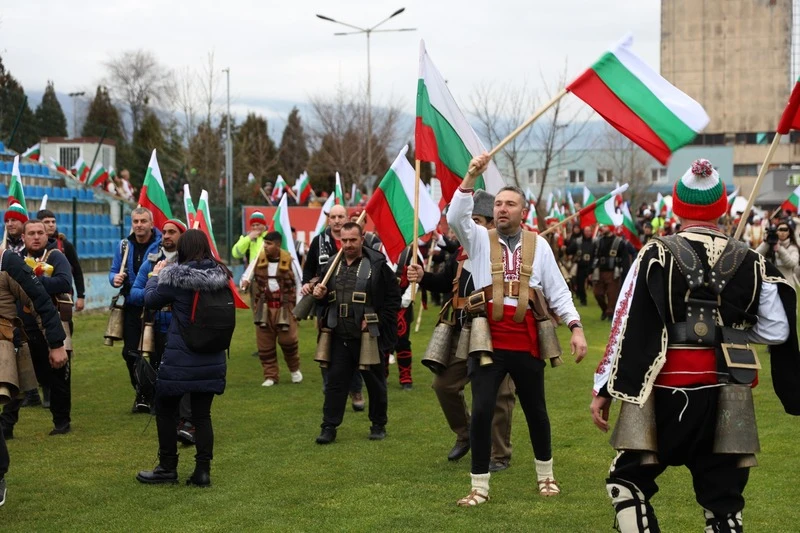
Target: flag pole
(415, 236)
(619, 190)
(531, 120)
(757, 185)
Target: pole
(757, 185)
(96, 152)
(369, 110)
(229, 173)
(415, 236)
(619, 190)
(16, 121)
(531, 120)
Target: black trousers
(131, 333)
(4, 458)
(167, 422)
(580, 283)
(356, 381)
(344, 362)
(718, 483)
(528, 375)
(58, 379)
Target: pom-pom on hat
(700, 193)
(257, 218)
(178, 224)
(17, 212)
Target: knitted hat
(700, 193)
(178, 224)
(484, 204)
(17, 212)
(257, 218)
(356, 212)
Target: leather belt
(459, 303)
(677, 333)
(510, 289)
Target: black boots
(165, 472)
(201, 476)
(327, 435)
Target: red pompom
(702, 168)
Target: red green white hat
(177, 223)
(700, 193)
(257, 218)
(16, 211)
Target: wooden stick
(415, 238)
(531, 120)
(757, 185)
(428, 268)
(619, 190)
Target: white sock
(480, 483)
(544, 470)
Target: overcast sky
(279, 51)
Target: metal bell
(304, 307)
(9, 378)
(462, 348)
(736, 431)
(114, 328)
(370, 355)
(323, 353)
(25, 371)
(480, 340)
(635, 430)
(147, 344)
(437, 354)
(7, 393)
(549, 347)
(283, 319)
(260, 315)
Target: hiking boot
(201, 477)
(165, 472)
(377, 433)
(61, 430)
(358, 401)
(326, 436)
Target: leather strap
(511, 289)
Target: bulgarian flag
(588, 197)
(112, 173)
(80, 169)
(188, 206)
(15, 192)
(356, 196)
(660, 205)
(338, 191)
(602, 211)
(791, 204)
(443, 135)
(153, 195)
(570, 203)
(392, 207)
(629, 227)
(303, 188)
(281, 224)
(98, 177)
(277, 190)
(34, 152)
(790, 120)
(530, 220)
(322, 221)
(54, 164)
(639, 103)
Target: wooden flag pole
(415, 237)
(619, 190)
(756, 186)
(531, 120)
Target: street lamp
(367, 32)
(74, 97)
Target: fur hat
(484, 204)
(700, 193)
(17, 212)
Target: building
(739, 59)
(65, 151)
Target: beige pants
(266, 337)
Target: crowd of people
(685, 302)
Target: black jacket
(60, 282)
(68, 250)
(322, 245)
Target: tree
(138, 79)
(206, 159)
(50, 117)
(103, 117)
(293, 152)
(16, 117)
(627, 162)
(148, 137)
(254, 151)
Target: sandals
(548, 487)
(472, 499)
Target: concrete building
(66, 151)
(739, 59)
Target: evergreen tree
(206, 159)
(148, 137)
(50, 117)
(103, 116)
(254, 151)
(14, 104)
(293, 151)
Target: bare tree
(138, 79)
(627, 162)
(209, 87)
(186, 101)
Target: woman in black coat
(182, 370)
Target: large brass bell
(370, 355)
(323, 353)
(736, 431)
(25, 371)
(635, 430)
(9, 378)
(114, 328)
(462, 348)
(437, 354)
(304, 307)
(260, 314)
(549, 347)
(480, 340)
(283, 319)
(147, 344)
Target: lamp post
(74, 97)
(368, 32)
(228, 173)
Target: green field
(269, 475)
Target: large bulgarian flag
(791, 204)
(602, 211)
(639, 103)
(188, 206)
(15, 191)
(98, 177)
(322, 221)
(629, 227)
(392, 207)
(790, 120)
(153, 195)
(34, 152)
(80, 169)
(443, 136)
(281, 224)
(303, 188)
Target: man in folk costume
(275, 296)
(508, 265)
(449, 385)
(610, 260)
(680, 350)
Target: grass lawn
(269, 475)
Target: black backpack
(211, 321)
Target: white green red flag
(570, 203)
(790, 119)
(356, 196)
(322, 221)
(602, 211)
(303, 188)
(588, 197)
(792, 203)
(443, 135)
(660, 205)
(530, 220)
(392, 207)
(732, 196)
(188, 206)
(153, 195)
(98, 177)
(281, 224)
(338, 191)
(34, 152)
(278, 189)
(639, 103)
(629, 230)
(15, 191)
(112, 172)
(54, 164)
(80, 169)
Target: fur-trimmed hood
(196, 276)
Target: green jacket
(245, 246)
